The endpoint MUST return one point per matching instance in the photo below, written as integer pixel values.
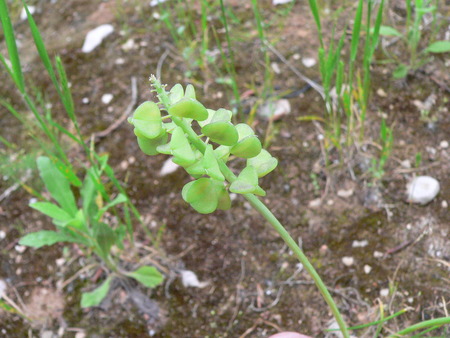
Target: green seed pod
(247, 148)
(202, 194)
(150, 146)
(190, 92)
(181, 149)
(210, 164)
(247, 183)
(221, 132)
(264, 163)
(248, 145)
(224, 200)
(147, 119)
(176, 93)
(189, 108)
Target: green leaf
(224, 200)
(208, 119)
(176, 93)
(95, 297)
(247, 181)
(189, 108)
(105, 238)
(68, 173)
(210, 164)
(52, 210)
(190, 92)
(203, 195)
(150, 146)
(438, 47)
(401, 71)
(181, 149)
(45, 237)
(147, 120)
(247, 148)
(196, 170)
(121, 198)
(147, 275)
(222, 153)
(264, 163)
(221, 132)
(248, 145)
(88, 194)
(57, 185)
(389, 31)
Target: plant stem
(259, 206)
(422, 325)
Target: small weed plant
(415, 12)
(86, 224)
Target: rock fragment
(422, 189)
(95, 37)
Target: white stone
(384, 292)
(406, 164)
(85, 100)
(189, 278)
(444, 204)
(3, 288)
(95, 37)
(367, 269)
(377, 254)
(422, 189)
(280, 2)
(154, 3)
(381, 92)
(20, 248)
(107, 98)
(168, 167)
(2, 234)
(275, 110)
(360, 244)
(345, 193)
(443, 144)
(275, 67)
(23, 13)
(348, 261)
(129, 45)
(315, 203)
(309, 62)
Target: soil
(399, 251)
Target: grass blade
(11, 46)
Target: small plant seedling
(85, 225)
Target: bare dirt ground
(400, 252)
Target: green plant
(207, 162)
(386, 140)
(413, 35)
(348, 101)
(84, 225)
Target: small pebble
(330, 202)
(367, 269)
(443, 145)
(119, 61)
(154, 3)
(410, 300)
(348, 261)
(309, 62)
(2, 234)
(345, 193)
(168, 167)
(3, 287)
(381, 92)
(360, 244)
(20, 248)
(406, 164)
(23, 13)
(95, 37)
(129, 45)
(444, 204)
(85, 100)
(280, 2)
(384, 292)
(422, 189)
(107, 98)
(315, 203)
(296, 56)
(275, 67)
(377, 254)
